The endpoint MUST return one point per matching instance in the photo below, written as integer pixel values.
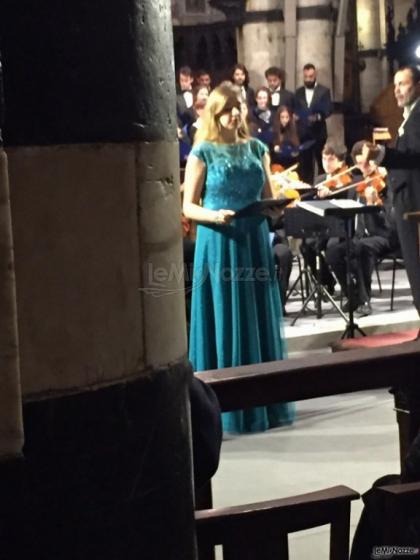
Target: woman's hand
(224, 217)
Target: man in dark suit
(403, 161)
(184, 95)
(313, 106)
(240, 77)
(275, 83)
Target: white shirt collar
(406, 113)
(409, 108)
(188, 97)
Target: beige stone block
(81, 223)
(262, 46)
(368, 24)
(370, 82)
(162, 283)
(77, 251)
(261, 5)
(314, 44)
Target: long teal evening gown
(236, 310)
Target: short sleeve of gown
(259, 148)
(200, 151)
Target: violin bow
(352, 186)
(322, 183)
(289, 169)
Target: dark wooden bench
(260, 531)
(295, 380)
(401, 502)
(324, 375)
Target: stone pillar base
(94, 483)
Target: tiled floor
(347, 439)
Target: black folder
(260, 206)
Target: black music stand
(344, 210)
(302, 224)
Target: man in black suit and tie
(403, 161)
(313, 106)
(184, 95)
(279, 95)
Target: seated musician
(375, 234)
(333, 162)
(284, 184)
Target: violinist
(337, 174)
(333, 162)
(375, 234)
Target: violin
(375, 179)
(287, 183)
(277, 168)
(341, 178)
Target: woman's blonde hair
(210, 128)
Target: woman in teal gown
(236, 310)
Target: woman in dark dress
(262, 117)
(285, 147)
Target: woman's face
(262, 100)
(202, 96)
(284, 118)
(230, 116)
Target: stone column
(290, 39)
(90, 132)
(261, 38)
(371, 51)
(315, 44)
(315, 39)
(11, 431)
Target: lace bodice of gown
(234, 173)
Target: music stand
(345, 210)
(302, 224)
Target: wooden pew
(311, 377)
(260, 531)
(324, 375)
(315, 376)
(401, 502)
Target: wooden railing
(314, 376)
(294, 380)
(259, 531)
